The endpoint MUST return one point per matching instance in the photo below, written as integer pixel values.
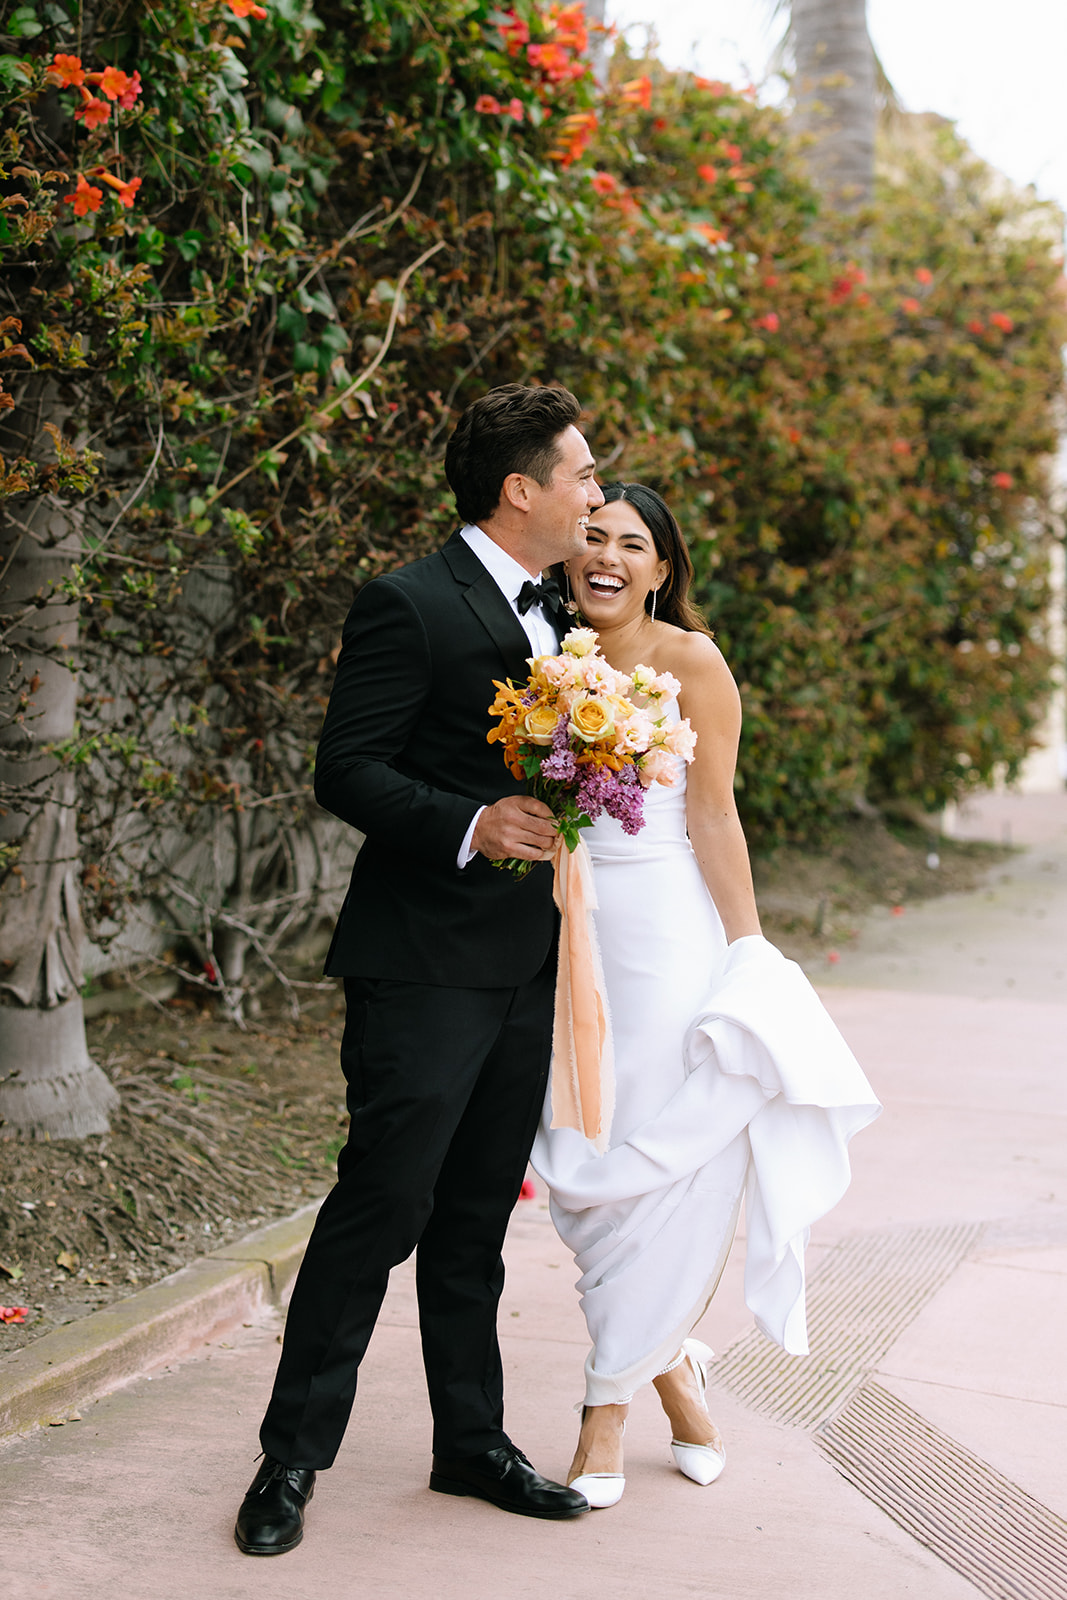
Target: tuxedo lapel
(482, 594)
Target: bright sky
(998, 69)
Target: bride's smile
(612, 580)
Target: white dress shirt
(509, 576)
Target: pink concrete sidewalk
(136, 1501)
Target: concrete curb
(50, 1379)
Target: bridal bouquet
(587, 738)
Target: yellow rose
(539, 724)
(591, 719)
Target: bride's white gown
(730, 1081)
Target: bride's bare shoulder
(692, 656)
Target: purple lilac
(625, 800)
(560, 766)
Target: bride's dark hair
(673, 604)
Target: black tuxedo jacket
(403, 757)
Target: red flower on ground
(637, 92)
(897, 911)
(912, 307)
(247, 8)
(67, 71)
(86, 197)
(486, 104)
(1003, 480)
(833, 957)
(923, 275)
(13, 1313)
(1001, 320)
(708, 173)
(769, 321)
(515, 109)
(604, 183)
(528, 1190)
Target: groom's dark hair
(511, 429)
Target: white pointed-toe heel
(701, 1462)
(601, 1489)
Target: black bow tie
(538, 594)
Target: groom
(449, 970)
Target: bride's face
(620, 566)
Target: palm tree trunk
(834, 90)
(49, 1086)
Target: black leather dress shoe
(506, 1479)
(271, 1518)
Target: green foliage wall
(354, 215)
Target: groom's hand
(517, 826)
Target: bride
(730, 1079)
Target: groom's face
(560, 509)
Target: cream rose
(591, 719)
(539, 724)
(579, 642)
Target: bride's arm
(710, 700)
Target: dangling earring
(652, 617)
(568, 604)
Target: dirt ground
(221, 1130)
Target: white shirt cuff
(466, 854)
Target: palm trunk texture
(834, 91)
(49, 1086)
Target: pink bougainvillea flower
(769, 321)
(515, 32)
(515, 109)
(707, 172)
(1003, 480)
(486, 104)
(637, 92)
(923, 275)
(247, 8)
(112, 82)
(13, 1313)
(604, 183)
(1000, 320)
(67, 71)
(912, 307)
(975, 326)
(92, 111)
(86, 197)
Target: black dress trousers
(445, 1087)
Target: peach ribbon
(583, 1078)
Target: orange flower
(247, 8)
(604, 183)
(901, 447)
(67, 71)
(912, 307)
(1003, 480)
(711, 85)
(732, 152)
(637, 92)
(708, 173)
(1000, 320)
(486, 104)
(575, 134)
(92, 111)
(975, 326)
(793, 435)
(568, 23)
(515, 32)
(13, 1314)
(769, 321)
(712, 235)
(86, 197)
(130, 93)
(551, 59)
(112, 81)
(923, 275)
(125, 192)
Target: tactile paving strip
(859, 1302)
(1008, 1545)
